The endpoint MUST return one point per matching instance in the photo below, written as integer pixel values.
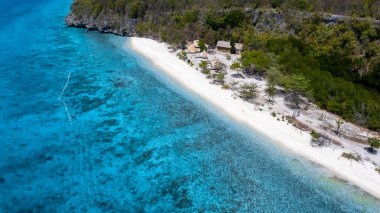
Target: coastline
(362, 175)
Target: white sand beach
(361, 174)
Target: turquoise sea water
(89, 126)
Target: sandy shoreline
(362, 175)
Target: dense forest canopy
(137, 8)
(340, 56)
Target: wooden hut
(225, 46)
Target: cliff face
(104, 22)
(108, 22)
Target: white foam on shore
(362, 175)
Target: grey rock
(104, 23)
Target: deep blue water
(121, 137)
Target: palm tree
(203, 66)
(270, 92)
(339, 123)
(248, 91)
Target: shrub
(377, 170)
(374, 144)
(226, 86)
(248, 91)
(315, 135)
(182, 55)
(352, 156)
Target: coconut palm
(270, 92)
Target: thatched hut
(192, 49)
(203, 55)
(225, 46)
(196, 43)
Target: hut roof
(196, 43)
(226, 44)
(239, 46)
(203, 54)
(191, 48)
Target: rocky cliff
(105, 22)
(136, 20)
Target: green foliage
(182, 55)
(374, 143)
(136, 9)
(226, 86)
(191, 16)
(299, 4)
(96, 9)
(203, 65)
(231, 18)
(219, 77)
(352, 156)
(315, 135)
(235, 65)
(247, 91)
(254, 59)
(270, 92)
(202, 45)
(297, 84)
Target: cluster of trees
(335, 64)
(290, 63)
(139, 8)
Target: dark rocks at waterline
(104, 23)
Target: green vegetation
(377, 170)
(203, 66)
(270, 92)
(138, 8)
(297, 85)
(219, 78)
(315, 135)
(183, 56)
(335, 64)
(202, 45)
(339, 123)
(374, 144)
(248, 91)
(352, 156)
(236, 66)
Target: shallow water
(88, 125)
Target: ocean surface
(87, 125)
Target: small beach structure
(192, 49)
(225, 46)
(203, 55)
(216, 65)
(196, 43)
